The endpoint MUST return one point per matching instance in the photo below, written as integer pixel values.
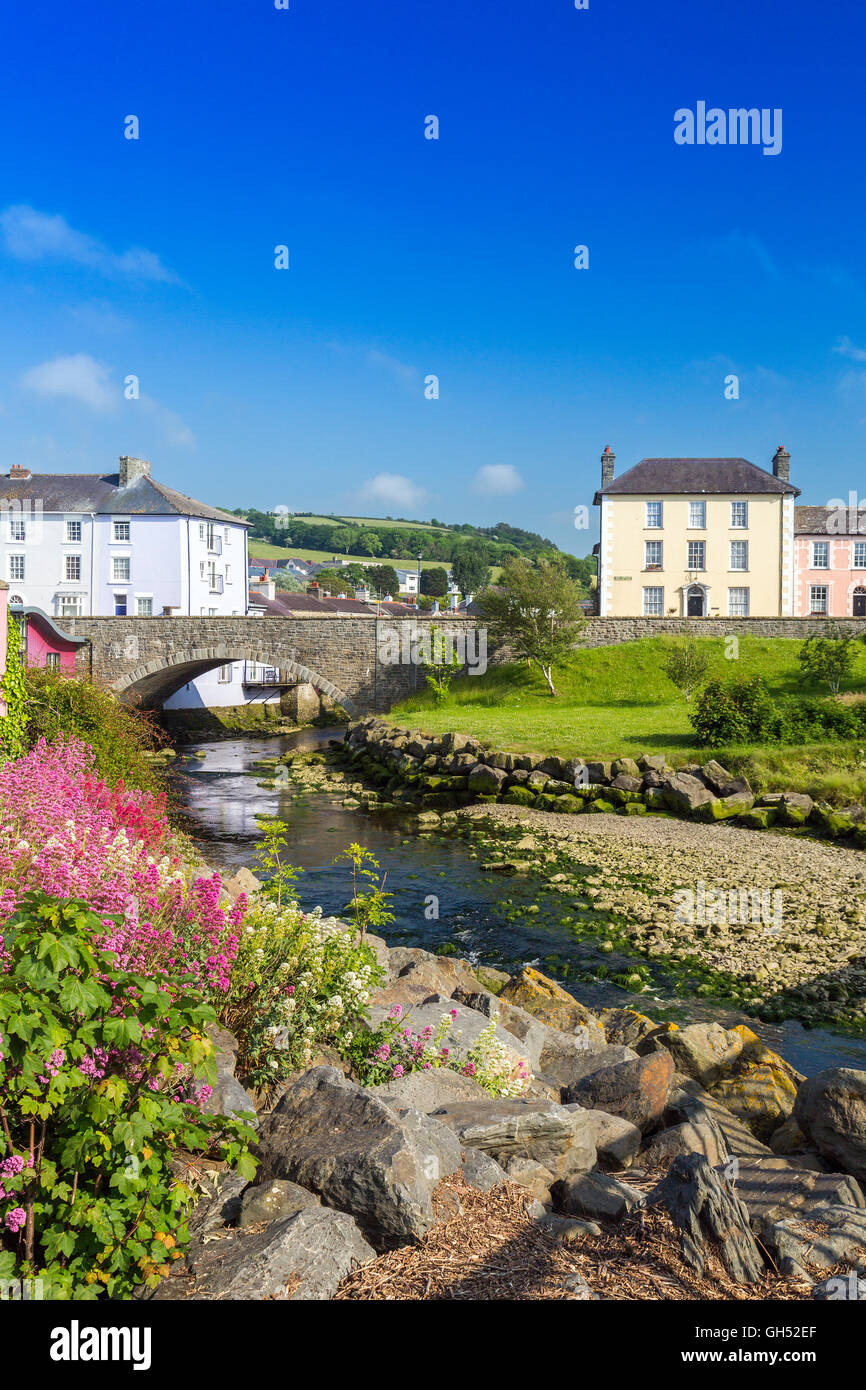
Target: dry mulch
(487, 1247)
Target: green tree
(685, 666)
(536, 611)
(829, 659)
(384, 580)
(434, 581)
(443, 665)
(336, 582)
(470, 569)
(369, 543)
(343, 539)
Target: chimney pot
(608, 459)
(17, 470)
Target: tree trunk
(546, 670)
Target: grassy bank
(617, 701)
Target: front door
(860, 603)
(695, 603)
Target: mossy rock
(519, 796)
(831, 822)
(569, 805)
(654, 799)
(548, 802)
(600, 806)
(759, 818)
(622, 798)
(635, 808)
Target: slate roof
(102, 494)
(695, 476)
(812, 521)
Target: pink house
(829, 565)
(45, 643)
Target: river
(220, 800)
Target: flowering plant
(299, 979)
(394, 1048)
(102, 1071)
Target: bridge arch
(153, 683)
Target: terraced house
(696, 538)
(830, 563)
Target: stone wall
(603, 632)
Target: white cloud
(849, 349)
(30, 235)
(400, 371)
(393, 490)
(78, 378)
(498, 480)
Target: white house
(123, 544)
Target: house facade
(122, 545)
(696, 537)
(830, 563)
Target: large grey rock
(826, 1237)
(688, 1101)
(774, 1189)
(595, 1195)
(427, 1090)
(359, 1155)
(636, 1090)
(274, 1201)
(305, 1256)
(228, 1097)
(684, 793)
(831, 1111)
(219, 1206)
(559, 1138)
(486, 780)
(704, 1051)
(482, 1171)
(616, 1140)
(709, 1216)
(529, 1173)
(703, 1138)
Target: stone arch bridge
(350, 659)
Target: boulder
(484, 780)
(826, 1237)
(761, 1093)
(636, 1090)
(360, 1156)
(598, 773)
(242, 881)
(831, 821)
(219, 1206)
(704, 1051)
(228, 1097)
(625, 783)
(529, 1173)
(688, 1101)
(652, 762)
(616, 1140)
(684, 794)
(774, 1189)
(710, 1218)
(549, 1002)
(625, 767)
(482, 1171)
(715, 776)
(557, 1137)
(273, 1201)
(831, 1111)
(516, 1021)
(305, 1256)
(595, 1195)
(795, 808)
(427, 1090)
(687, 1138)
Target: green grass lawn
(263, 550)
(617, 701)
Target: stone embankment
(437, 771)
(745, 1179)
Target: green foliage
(394, 1049)
(470, 568)
(121, 737)
(434, 582)
(443, 666)
(536, 611)
(686, 666)
(735, 711)
(98, 1068)
(383, 579)
(829, 659)
(13, 726)
(335, 582)
(369, 906)
(280, 884)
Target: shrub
(685, 665)
(829, 659)
(60, 706)
(393, 1049)
(102, 1071)
(299, 979)
(735, 711)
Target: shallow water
(221, 800)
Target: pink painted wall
(841, 579)
(41, 640)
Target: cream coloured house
(697, 538)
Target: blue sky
(409, 257)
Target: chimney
(782, 464)
(313, 590)
(608, 459)
(17, 470)
(131, 470)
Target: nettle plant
(102, 1073)
(394, 1049)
